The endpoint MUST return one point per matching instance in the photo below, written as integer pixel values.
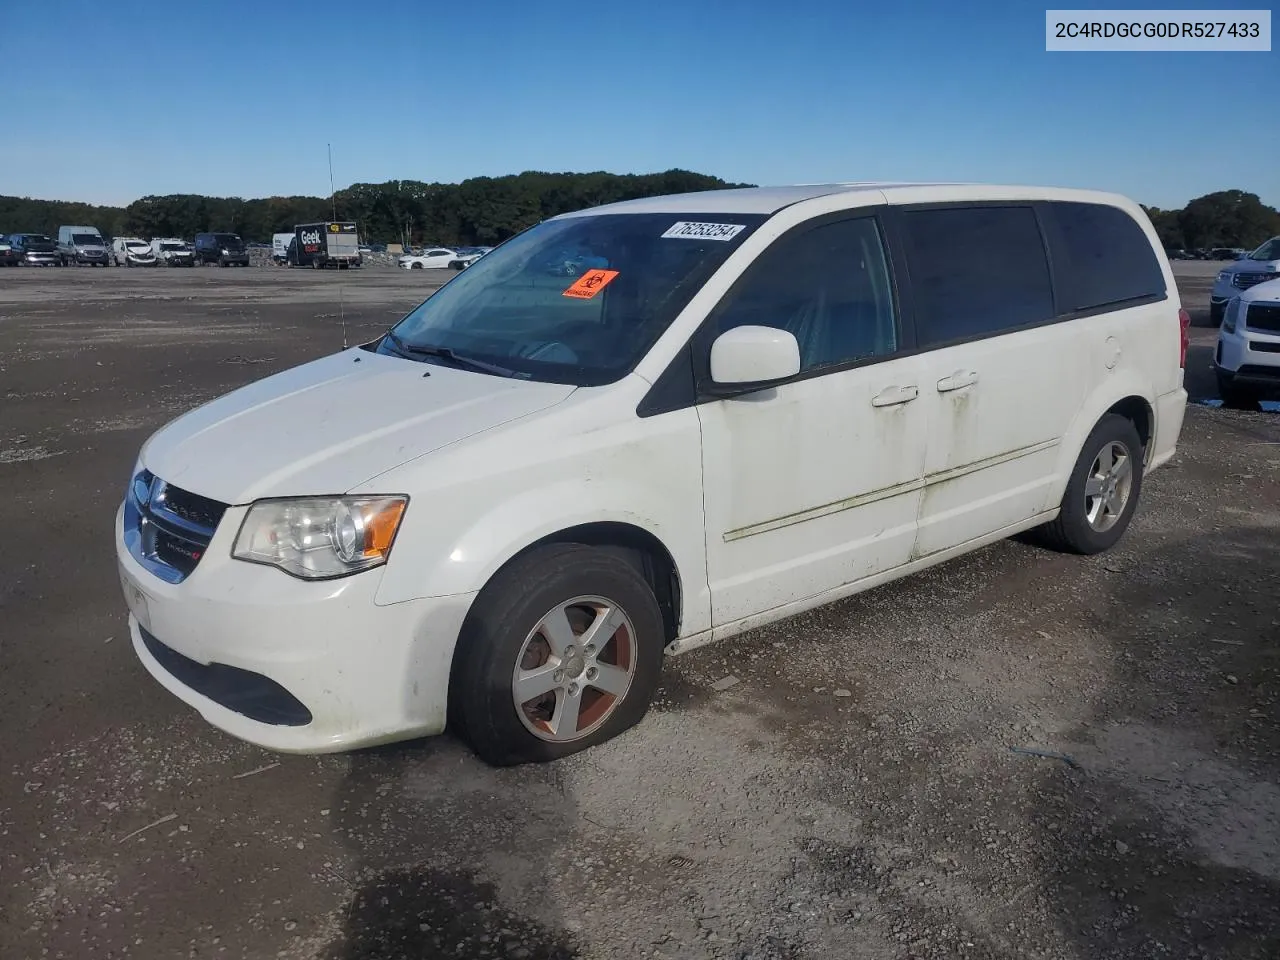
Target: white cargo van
(280, 247)
(132, 252)
(82, 245)
(738, 405)
(172, 252)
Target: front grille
(1263, 316)
(166, 528)
(1246, 280)
(1260, 346)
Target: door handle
(959, 379)
(890, 396)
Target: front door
(814, 483)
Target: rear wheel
(1102, 494)
(561, 651)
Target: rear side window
(976, 271)
(1100, 256)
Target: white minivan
(503, 512)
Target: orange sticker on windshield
(590, 283)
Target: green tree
(1228, 218)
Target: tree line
(1228, 218)
(488, 210)
(479, 211)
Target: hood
(1252, 266)
(1265, 292)
(329, 425)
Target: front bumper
(243, 644)
(42, 259)
(1249, 357)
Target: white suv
(1261, 266)
(745, 404)
(1247, 359)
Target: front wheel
(561, 651)
(1102, 492)
(1234, 396)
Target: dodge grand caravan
(501, 513)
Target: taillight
(1184, 323)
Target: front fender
(465, 559)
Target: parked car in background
(1178, 254)
(401, 551)
(81, 245)
(1247, 358)
(132, 252)
(35, 250)
(432, 258)
(224, 249)
(9, 257)
(1260, 266)
(466, 256)
(172, 252)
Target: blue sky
(108, 101)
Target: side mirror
(746, 356)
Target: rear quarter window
(976, 271)
(1101, 256)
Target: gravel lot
(857, 793)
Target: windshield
(1268, 251)
(37, 238)
(137, 245)
(575, 301)
(86, 239)
(173, 246)
(227, 240)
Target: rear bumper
(1170, 410)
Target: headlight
(320, 537)
(226, 253)
(1231, 316)
(1224, 276)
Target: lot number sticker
(590, 283)
(704, 231)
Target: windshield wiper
(446, 353)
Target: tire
(1072, 531)
(1236, 396)
(503, 625)
(415, 266)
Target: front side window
(828, 286)
(976, 271)
(579, 300)
(1100, 256)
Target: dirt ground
(870, 788)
